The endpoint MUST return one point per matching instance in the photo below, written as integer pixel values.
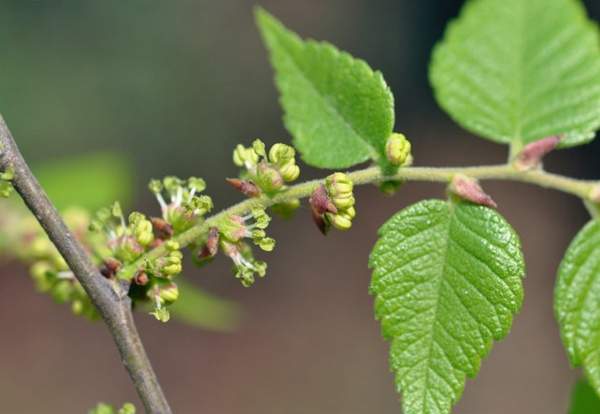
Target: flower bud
(289, 172)
(268, 178)
(259, 148)
(155, 186)
(339, 221)
(397, 149)
(281, 154)
(169, 293)
(141, 228)
(338, 184)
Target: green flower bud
(244, 156)
(338, 184)
(77, 307)
(43, 275)
(169, 293)
(8, 174)
(141, 228)
(339, 221)
(289, 172)
(259, 147)
(268, 179)
(6, 189)
(281, 154)
(128, 408)
(397, 149)
(62, 291)
(343, 202)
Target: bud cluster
(48, 269)
(332, 204)
(266, 173)
(180, 201)
(230, 235)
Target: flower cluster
(332, 204)
(230, 235)
(48, 269)
(266, 173)
(180, 201)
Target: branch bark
(109, 297)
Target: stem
(110, 299)
(579, 188)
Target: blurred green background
(172, 86)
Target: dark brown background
(175, 85)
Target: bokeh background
(173, 86)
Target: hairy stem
(579, 188)
(110, 298)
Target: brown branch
(109, 297)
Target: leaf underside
(447, 280)
(516, 71)
(577, 301)
(338, 110)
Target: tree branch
(580, 188)
(110, 298)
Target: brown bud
(162, 229)
(531, 155)
(469, 189)
(141, 278)
(212, 244)
(248, 188)
(110, 268)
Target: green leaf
(516, 71)
(447, 282)
(577, 301)
(204, 310)
(91, 181)
(584, 399)
(339, 112)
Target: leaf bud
(397, 149)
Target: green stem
(579, 188)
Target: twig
(110, 298)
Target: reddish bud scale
(110, 268)
(212, 244)
(141, 279)
(320, 203)
(469, 189)
(531, 155)
(248, 188)
(161, 228)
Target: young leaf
(577, 301)
(339, 112)
(516, 71)
(584, 399)
(447, 282)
